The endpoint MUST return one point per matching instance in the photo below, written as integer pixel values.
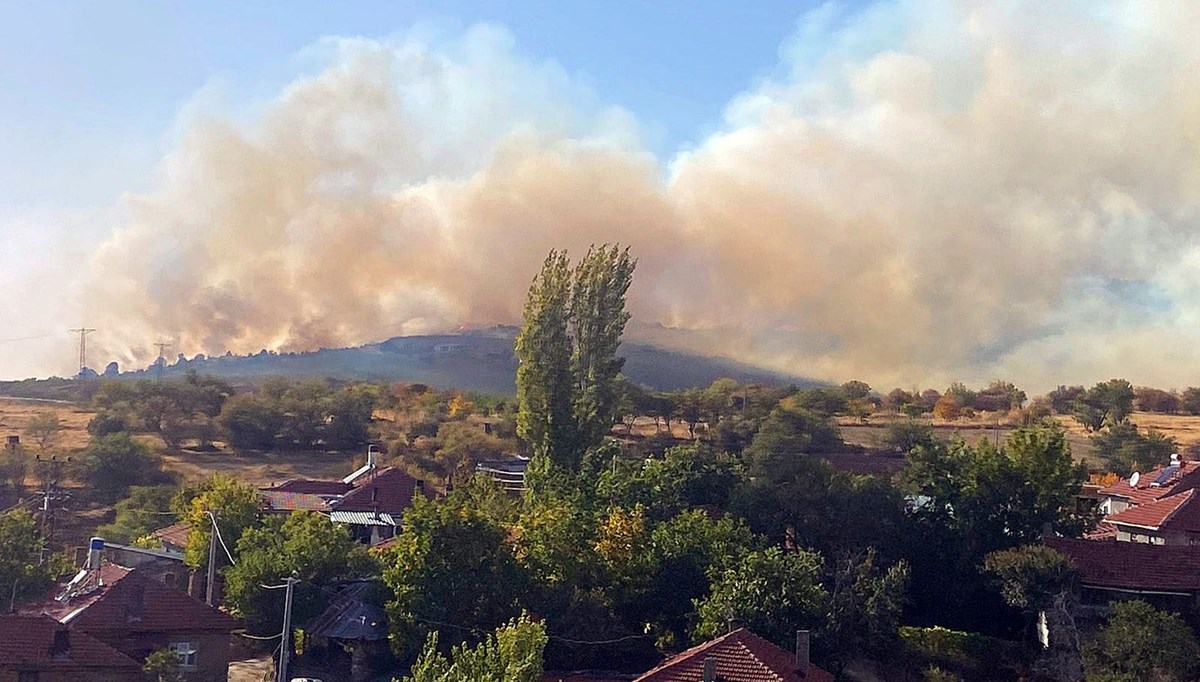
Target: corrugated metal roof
(351, 619)
(363, 518)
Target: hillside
(473, 361)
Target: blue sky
(89, 91)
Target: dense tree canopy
(306, 544)
(235, 504)
(513, 653)
(24, 574)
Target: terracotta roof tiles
(1156, 514)
(43, 644)
(387, 491)
(131, 601)
(740, 656)
(1133, 565)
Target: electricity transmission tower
(162, 360)
(82, 332)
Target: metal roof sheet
(358, 518)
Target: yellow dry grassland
(15, 415)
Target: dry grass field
(16, 413)
(258, 469)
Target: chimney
(371, 456)
(710, 670)
(60, 649)
(802, 662)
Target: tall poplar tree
(567, 353)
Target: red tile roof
(131, 601)
(740, 656)
(1133, 565)
(174, 534)
(1187, 478)
(282, 500)
(1103, 531)
(389, 491)
(30, 642)
(306, 486)
(1160, 513)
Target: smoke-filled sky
(907, 192)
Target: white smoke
(937, 190)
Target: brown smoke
(999, 192)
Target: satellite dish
(1133, 480)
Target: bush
(962, 652)
(105, 423)
(114, 463)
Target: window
(186, 651)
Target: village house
(137, 615)
(40, 649)
(1143, 488)
(740, 656)
(370, 501)
(1148, 544)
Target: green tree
(1109, 402)
(163, 666)
(856, 390)
(864, 608)
(143, 510)
(460, 446)
(771, 592)
(44, 428)
(686, 550)
(598, 318)
(1140, 642)
(250, 422)
(971, 501)
(787, 435)
(450, 564)
(1125, 450)
(1041, 582)
(686, 476)
(308, 544)
(23, 573)
(545, 385)
(350, 412)
(513, 653)
(567, 374)
(113, 463)
(236, 505)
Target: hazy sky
(91, 95)
(907, 191)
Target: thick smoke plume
(928, 190)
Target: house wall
(212, 650)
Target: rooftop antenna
(82, 332)
(162, 360)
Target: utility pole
(162, 360)
(212, 561)
(50, 491)
(82, 332)
(285, 646)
